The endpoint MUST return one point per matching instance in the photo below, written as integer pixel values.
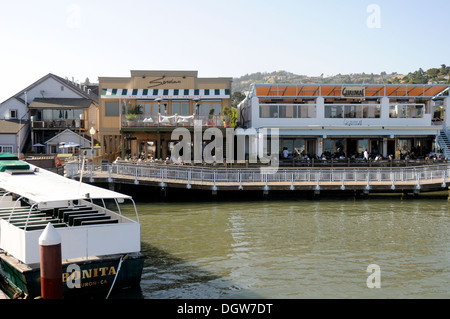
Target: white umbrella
(38, 144)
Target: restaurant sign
(353, 92)
(161, 82)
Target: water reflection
(295, 249)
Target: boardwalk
(404, 179)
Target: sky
(218, 38)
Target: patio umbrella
(38, 144)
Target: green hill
(433, 75)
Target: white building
(337, 119)
(43, 110)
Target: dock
(410, 179)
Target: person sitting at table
(285, 152)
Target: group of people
(338, 155)
(140, 159)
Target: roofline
(57, 78)
(74, 133)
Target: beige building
(138, 113)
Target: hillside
(433, 75)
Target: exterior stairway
(444, 143)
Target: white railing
(433, 174)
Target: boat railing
(188, 174)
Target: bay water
(295, 248)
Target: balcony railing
(143, 121)
(57, 124)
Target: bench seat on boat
(17, 209)
(60, 213)
(65, 215)
(35, 222)
(72, 217)
(78, 220)
(29, 218)
(97, 222)
(22, 215)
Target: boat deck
(35, 219)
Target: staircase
(444, 143)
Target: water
(295, 248)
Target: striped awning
(165, 93)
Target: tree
(236, 98)
(87, 82)
(233, 117)
(433, 72)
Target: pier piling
(51, 264)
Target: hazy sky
(218, 37)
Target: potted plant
(132, 116)
(131, 119)
(210, 117)
(226, 116)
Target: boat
(100, 247)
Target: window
(333, 111)
(151, 108)
(13, 114)
(268, 111)
(332, 146)
(362, 146)
(180, 108)
(205, 108)
(406, 110)
(352, 111)
(288, 111)
(111, 108)
(217, 108)
(6, 148)
(299, 147)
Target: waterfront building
(138, 113)
(346, 120)
(45, 109)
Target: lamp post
(197, 105)
(20, 124)
(92, 132)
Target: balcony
(57, 124)
(172, 121)
(344, 115)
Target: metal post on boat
(51, 263)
